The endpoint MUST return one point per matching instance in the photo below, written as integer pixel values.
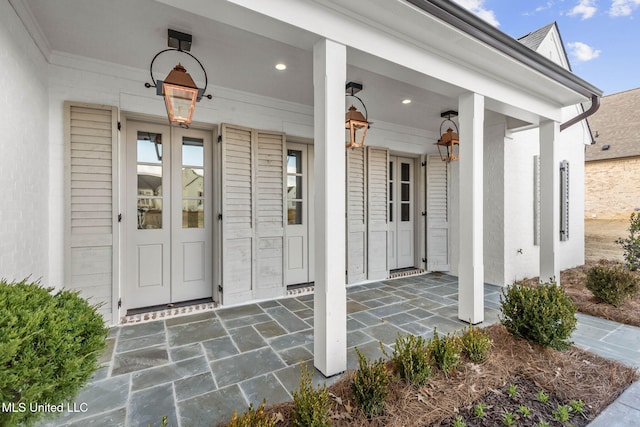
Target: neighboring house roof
(616, 125)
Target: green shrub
(476, 344)
(253, 418)
(411, 360)
(369, 385)
(543, 314)
(445, 351)
(612, 284)
(631, 244)
(49, 347)
(310, 406)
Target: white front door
(168, 215)
(297, 247)
(400, 252)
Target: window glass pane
(390, 171)
(405, 214)
(149, 213)
(390, 212)
(404, 172)
(294, 187)
(390, 192)
(294, 213)
(149, 147)
(192, 152)
(294, 161)
(149, 180)
(193, 213)
(405, 192)
(192, 182)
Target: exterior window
(192, 183)
(294, 187)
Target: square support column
(330, 294)
(471, 263)
(549, 201)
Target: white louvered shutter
(356, 216)
(377, 213)
(437, 214)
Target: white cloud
(585, 9)
(477, 7)
(623, 7)
(582, 52)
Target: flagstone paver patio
(198, 369)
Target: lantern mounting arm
(201, 92)
(366, 114)
(448, 115)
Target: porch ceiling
(130, 33)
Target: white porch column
(471, 263)
(549, 201)
(330, 294)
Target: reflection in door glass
(149, 171)
(294, 187)
(192, 183)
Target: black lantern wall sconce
(178, 89)
(356, 124)
(449, 141)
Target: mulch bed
(573, 281)
(570, 375)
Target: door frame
(120, 253)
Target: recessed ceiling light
(281, 67)
(406, 101)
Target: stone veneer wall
(612, 188)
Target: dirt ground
(600, 236)
(569, 375)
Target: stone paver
(198, 369)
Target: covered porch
(196, 369)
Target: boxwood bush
(49, 347)
(612, 284)
(544, 314)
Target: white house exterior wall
(24, 189)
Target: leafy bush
(369, 385)
(49, 347)
(476, 344)
(612, 284)
(544, 314)
(310, 406)
(631, 244)
(411, 360)
(445, 351)
(253, 418)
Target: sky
(601, 37)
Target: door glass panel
(149, 213)
(405, 212)
(294, 212)
(405, 192)
(404, 171)
(149, 171)
(294, 187)
(192, 183)
(294, 161)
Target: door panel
(191, 210)
(168, 217)
(297, 255)
(148, 237)
(401, 213)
